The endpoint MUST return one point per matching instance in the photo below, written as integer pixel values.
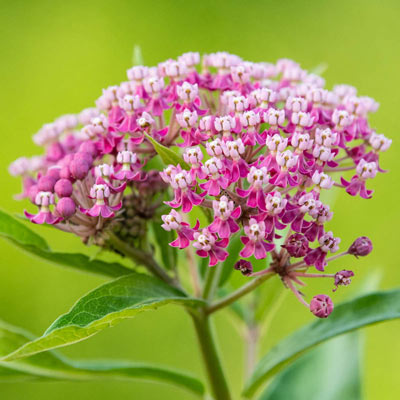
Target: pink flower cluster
(260, 144)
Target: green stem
(141, 257)
(211, 282)
(212, 363)
(247, 288)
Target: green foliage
(329, 372)
(355, 314)
(227, 267)
(29, 241)
(104, 307)
(50, 366)
(169, 254)
(167, 155)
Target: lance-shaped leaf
(346, 317)
(104, 307)
(329, 372)
(52, 366)
(29, 241)
(167, 155)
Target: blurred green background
(56, 56)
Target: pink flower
(193, 156)
(237, 104)
(287, 162)
(259, 140)
(130, 104)
(296, 104)
(213, 170)
(187, 119)
(317, 256)
(173, 221)
(274, 117)
(237, 167)
(44, 200)
(249, 120)
(254, 242)
(226, 125)
(207, 245)
(185, 196)
(188, 92)
(100, 192)
(265, 97)
(365, 170)
(322, 180)
(128, 167)
(257, 177)
(225, 214)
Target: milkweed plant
(200, 173)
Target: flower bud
(85, 157)
(88, 147)
(63, 188)
(46, 183)
(55, 152)
(66, 207)
(297, 245)
(321, 305)
(362, 246)
(54, 172)
(79, 169)
(244, 266)
(65, 173)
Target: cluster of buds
(260, 143)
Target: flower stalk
(211, 359)
(245, 289)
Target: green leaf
(27, 240)
(346, 317)
(52, 366)
(169, 254)
(329, 372)
(137, 57)
(167, 155)
(104, 307)
(19, 233)
(227, 267)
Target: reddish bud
(321, 305)
(362, 246)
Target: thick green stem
(239, 293)
(141, 257)
(212, 363)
